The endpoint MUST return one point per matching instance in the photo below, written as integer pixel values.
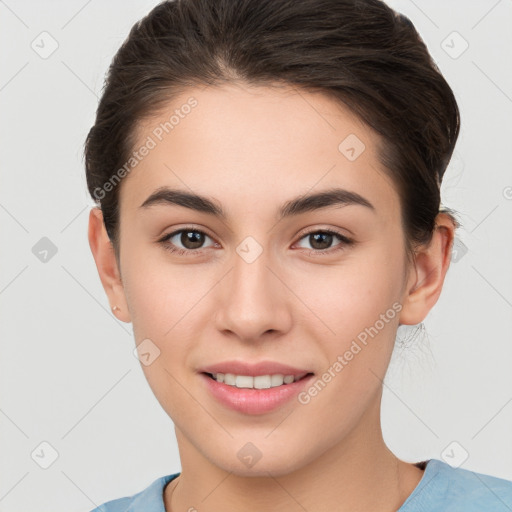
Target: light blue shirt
(441, 489)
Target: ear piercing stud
(115, 308)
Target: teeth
(259, 382)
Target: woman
(267, 175)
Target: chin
(276, 464)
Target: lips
(254, 369)
(254, 401)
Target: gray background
(68, 374)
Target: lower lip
(254, 401)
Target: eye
(321, 241)
(192, 241)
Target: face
(318, 288)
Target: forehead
(257, 145)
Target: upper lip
(253, 369)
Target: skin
(251, 149)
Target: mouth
(256, 382)
(254, 394)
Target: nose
(253, 299)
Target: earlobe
(106, 263)
(427, 277)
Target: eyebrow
(305, 203)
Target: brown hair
(359, 52)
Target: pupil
(325, 236)
(192, 239)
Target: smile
(258, 382)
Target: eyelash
(192, 252)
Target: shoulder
(149, 499)
(443, 487)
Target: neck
(359, 473)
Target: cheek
(358, 310)
(167, 307)
(352, 296)
(158, 293)
(162, 309)
(356, 313)
(341, 300)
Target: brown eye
(322, 240)
(192, 239)
(185, 240)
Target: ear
(426, 278)
(107, 265)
